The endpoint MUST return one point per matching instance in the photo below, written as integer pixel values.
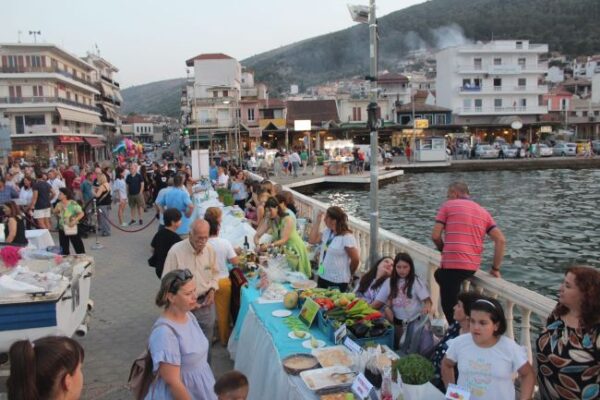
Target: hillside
(162, 97)
(567, 26)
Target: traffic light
(186, 132)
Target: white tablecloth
(257, 358)
(39, 238)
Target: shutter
(43, 61)
(20, 61)
(4, 61)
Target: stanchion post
(97, 245)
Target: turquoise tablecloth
(274, 325)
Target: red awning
(94, 142)
(70, 139)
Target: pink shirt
(465, 225)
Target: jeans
(295, 168)
(64, 240)
(103, 224)
(450, 281)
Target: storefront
(48, 151)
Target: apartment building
(49, 98)
(109, 100)
(140, 128)
(489, 85)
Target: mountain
(161, 97)
(568, 26)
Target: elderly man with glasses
(199, 257)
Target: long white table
(39, 238)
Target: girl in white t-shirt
(486, 359)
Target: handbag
(70, 230)
(141, 375)
(417, 337)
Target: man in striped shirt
(464, 225)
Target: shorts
(136, 200)
(42, 213)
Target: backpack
(141, 376)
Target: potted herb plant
(415, 371)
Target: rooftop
(315, 110)
(208, 56)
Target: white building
(49, 98)
(214, 97)
(492, 83)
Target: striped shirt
(465, 225)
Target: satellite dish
(516, 125)
(359, 13)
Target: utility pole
(372, 123)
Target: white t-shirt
(404, 308)
(487, 372)
(120, 189)
(223, 251)
(336, 261)
(56, 184)
(222, 180)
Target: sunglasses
(181, 275)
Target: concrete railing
(520, 304)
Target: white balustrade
(427, 260)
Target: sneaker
(141, 222)
(131, 222)
(124, 224)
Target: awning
(70, 139)
(94, 142)
(118, 96)
(107, 90)
(78, 116)
(110, 112)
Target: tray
(286, 362)
(320, 380)
(332, 356)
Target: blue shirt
(86, 191)
(160, 197)
(213, 173)
(178, 198)
(7, 194)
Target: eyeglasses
(181, 275)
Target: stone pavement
(123, 290)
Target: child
(233, 385)
(372, 282)
(408, 295)
(486, 359)
(164, 239)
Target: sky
(149, 40)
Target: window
(35, 120)
(497, 84)
(38, 90)
(68, 95)
(477, 82)
(477, 63)
(466, 83)
(55, 119)
(215, 93)
(522, 82)
(596, 113)
(522, 62)
(440, 119)
(15, 92)
(497, 103)
(564, 104)
(225, 93)
(356, 111)
(478, 104)
(519, 44)
(523, 103)
(251, 114)
(11, 61)
(497, 61)
(36, 61)
(76, 98)
(467, 103)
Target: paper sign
(340, 334)
(363, 388)
(309, 311)
(352, 346)
(456, 392)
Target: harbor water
(551, 218)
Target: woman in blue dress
(178, 347)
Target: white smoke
(449, 36)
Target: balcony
(501, 110)
(106, 79)
(507, 69)
(58, 129)
(534, 89)
(207, 122)
(41, 100)
(46, 70)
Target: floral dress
(568, 361)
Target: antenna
(19, 32)
(35, 35)
(97, 49)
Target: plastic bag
(417, 337)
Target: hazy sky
(150, 40)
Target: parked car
(596, 146)
(148, 147)
(545, 150)
(510, 151)
(565, 149)
(486, 151)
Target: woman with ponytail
(46, 369)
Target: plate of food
(313, 344)
(299, 335)
(326, 379)
(335, 355)
(297, 363)
(305, 284)
(281, 313)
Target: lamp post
(360, 14)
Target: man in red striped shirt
(464, 225)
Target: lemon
(299, 334)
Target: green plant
(414, 369)
(225, 196)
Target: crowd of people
(196, 286)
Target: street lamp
(35, 35)
(362, 14)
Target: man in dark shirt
(40, 203)
(164, 239)
(160, 180)
(135, 193)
